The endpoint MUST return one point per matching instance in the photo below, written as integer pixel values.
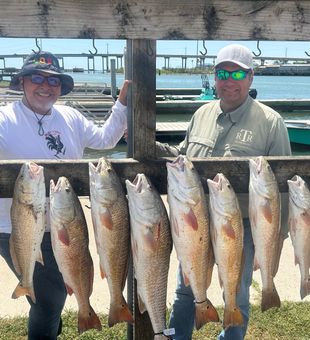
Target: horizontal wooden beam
(157, 19)
(236, 170)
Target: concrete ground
(287, 282)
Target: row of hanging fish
(201, 236)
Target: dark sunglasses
(235, 75)
(51, 80)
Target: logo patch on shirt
(54, 143)
(245, 136)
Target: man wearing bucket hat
(235, 125)
(35, 128)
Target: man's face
(232, 92)
(40, 97)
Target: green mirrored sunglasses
(235, 75)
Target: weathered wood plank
(236, 169)
(144, 98)
(157, 19)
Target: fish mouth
(218, 179)
(178, 163)
(103, 165)
(295, 181)
(34, 169)
(139, 184)
(216, 184)
(256, 165)
(62, 184)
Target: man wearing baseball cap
(236, 125)
(37, 128)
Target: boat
(299, 131)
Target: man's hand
(123, 92)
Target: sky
(186, 47)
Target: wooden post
(113, 79)
(141, 64)
(144, 100)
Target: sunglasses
(235, 75)
(51, 80)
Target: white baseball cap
(236, 54)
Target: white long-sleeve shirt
(66, 134)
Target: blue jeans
(44, 321)
(182, 315)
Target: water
(268, 87)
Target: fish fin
(276, 262)
(205, 312)
(220, 279)
(14, 257)
(69, 289)
(20, 291)
(119, 313)
(176, 227)
(229, 230)
(241, 270)
(63, 236)
(296, 260)
(210, 265)
(253, 216)
(306, 217)
(186, 280)
(89, 321)
(40, 258)
(151, 237)
(305, 288)
(270, 299)
(232, 317)
(255, 263)
(102, 273)
(266, 211)
(141, 304)
(106, 219)
(191, 219)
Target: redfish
(265, 218)
(227, 239)
(189, 218)
(70, 246)
(299, 225)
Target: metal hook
(38, 46)
(96, 51)
(204, 46)
(260, 52)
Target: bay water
(268, 87)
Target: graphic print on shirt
(54, 143)
(245, 136)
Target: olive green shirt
(253, 129)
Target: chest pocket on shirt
(199, 146)
(200, 140)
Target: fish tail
(305, 288)
(232, 317)
(119, 313)
(20, 291)
(270, 298)
(89, 321)
(205, 312)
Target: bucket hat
(44, 62)
(237, 54)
